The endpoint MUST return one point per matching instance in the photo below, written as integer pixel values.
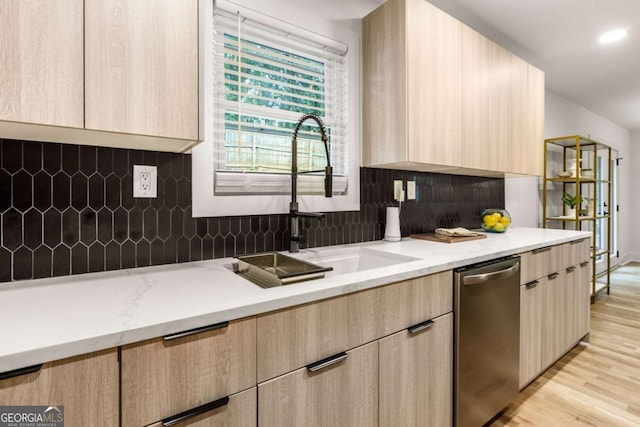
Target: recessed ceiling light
(613, 36)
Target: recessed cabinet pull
(532, 284)
(325, 363)
(540, 250)
(584, 263)
(182, 416)
(575, 242)
(21, 371)
(195, 331)
(571, 269)
(553, 276)
(423, 326)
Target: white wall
(563, 117)
(633, 184)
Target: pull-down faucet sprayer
(295, 235)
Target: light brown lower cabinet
(313, 331)
(344, 393)
(416, 384)
(554, 318)
(572, 302)
(584, 296)
(531, 330)
(239, 410)
(166, 376)
(86, 386)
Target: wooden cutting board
(447, 239)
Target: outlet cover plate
(411, 190)
(145, 181)
(397, 190)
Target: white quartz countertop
(49, 319)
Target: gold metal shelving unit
(580, 154)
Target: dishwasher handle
(477, 279)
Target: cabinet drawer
(317, 330)
(550, 259)
(541, 262)
(342, 394)
(579, 251)
(416, 382)
(240, 410)
(163, 377)
(87, 387)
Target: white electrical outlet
(398, 194)
(145, 181)
(411, 190)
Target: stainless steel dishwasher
(487, 339)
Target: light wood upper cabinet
(141, 64)
(433, 74)
(164, 377)
(503, 108)
(41, 62)
(87, 387)
(486, 103)
(416, 385)
(411, 85)
(439, 96)
(534, 120)
(342, 394)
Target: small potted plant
(571, 202)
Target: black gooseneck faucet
(295, 236)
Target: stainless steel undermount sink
(275, 269)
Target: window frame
(205, 202)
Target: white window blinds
(265, 79)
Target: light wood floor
(598, 385)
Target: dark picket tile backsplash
(69, 209)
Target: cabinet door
(341, 394)
(434, 85)
(527, 117)
(486, 103)
(534, 135)
(141, 67)
(241, 409)
(554, 320)
(87, 387)
(416, 384)
(41, 62)
(384, 85)
(573, 306)
(165, 376)
(531, 299)
(522, 147)
(584, 298)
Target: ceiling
(561, 38)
